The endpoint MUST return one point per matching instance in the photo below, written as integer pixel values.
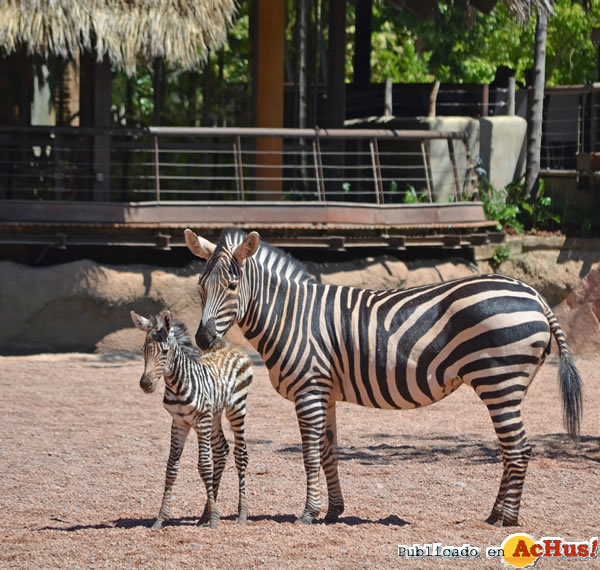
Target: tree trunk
(536, 107)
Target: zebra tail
(569, 378)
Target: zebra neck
(270, 297)
(175, 377)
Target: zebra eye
(232, 285)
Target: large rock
(579, 315)
(369, 273)
(76, 305)
(546, 272)
(84, 306)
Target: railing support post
(428, 180)
(376, 165)
(454, 169)
(156, 171)
(318, 167)
(239, 167)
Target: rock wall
(84, 306)
(579, 315)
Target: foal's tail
(570, 381)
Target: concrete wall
(500, 143)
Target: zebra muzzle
(206, 335)
(146, 383)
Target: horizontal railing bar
(243, 132)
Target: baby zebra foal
(198, 387)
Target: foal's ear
(247, 248)
(140, 322)
(199, 246)
(167, 319)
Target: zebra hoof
(333, 514)
(158, 524)
(500, 522)
(305, 518)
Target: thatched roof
(127, 31)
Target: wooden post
(362, 42)
(336, 85)
(388, 110)
(336, 95)
(485, 99)
(268, 93)
(94, 111)
(510, 96)
(101, 112)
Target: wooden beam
(102, 118)
(268, 81)
(336, 80)
(362, 42)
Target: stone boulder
(84, 306)
(579, 315)
(546, 272)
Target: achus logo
(523, 551)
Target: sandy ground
(83, 454)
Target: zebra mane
(182, 337)
(268, 256)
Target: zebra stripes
(198, 387)
(396, 349)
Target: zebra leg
(178, 435)
(205, 468)
(329, 462)
(516, 452)
(310, 410)
(237, 416)
(220, 450)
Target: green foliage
(498, 206)
(456, 44)
(501, 254)
(461, 45)
(514, 210)
(570, 55)
(414, 196)
(538, 214)
(397, 55)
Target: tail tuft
(571, 391)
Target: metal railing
(187, 163)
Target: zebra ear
(199, 246)
(140, 322)
(167, 319)
(247, 248)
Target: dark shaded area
(434, 449)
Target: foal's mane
(182, 337)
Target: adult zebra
(383, 349)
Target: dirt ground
(83, 455)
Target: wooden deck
(292, 224)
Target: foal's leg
(329, 462)
(220, 450)
(236, 415)
(205, 467)
(178, 434)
